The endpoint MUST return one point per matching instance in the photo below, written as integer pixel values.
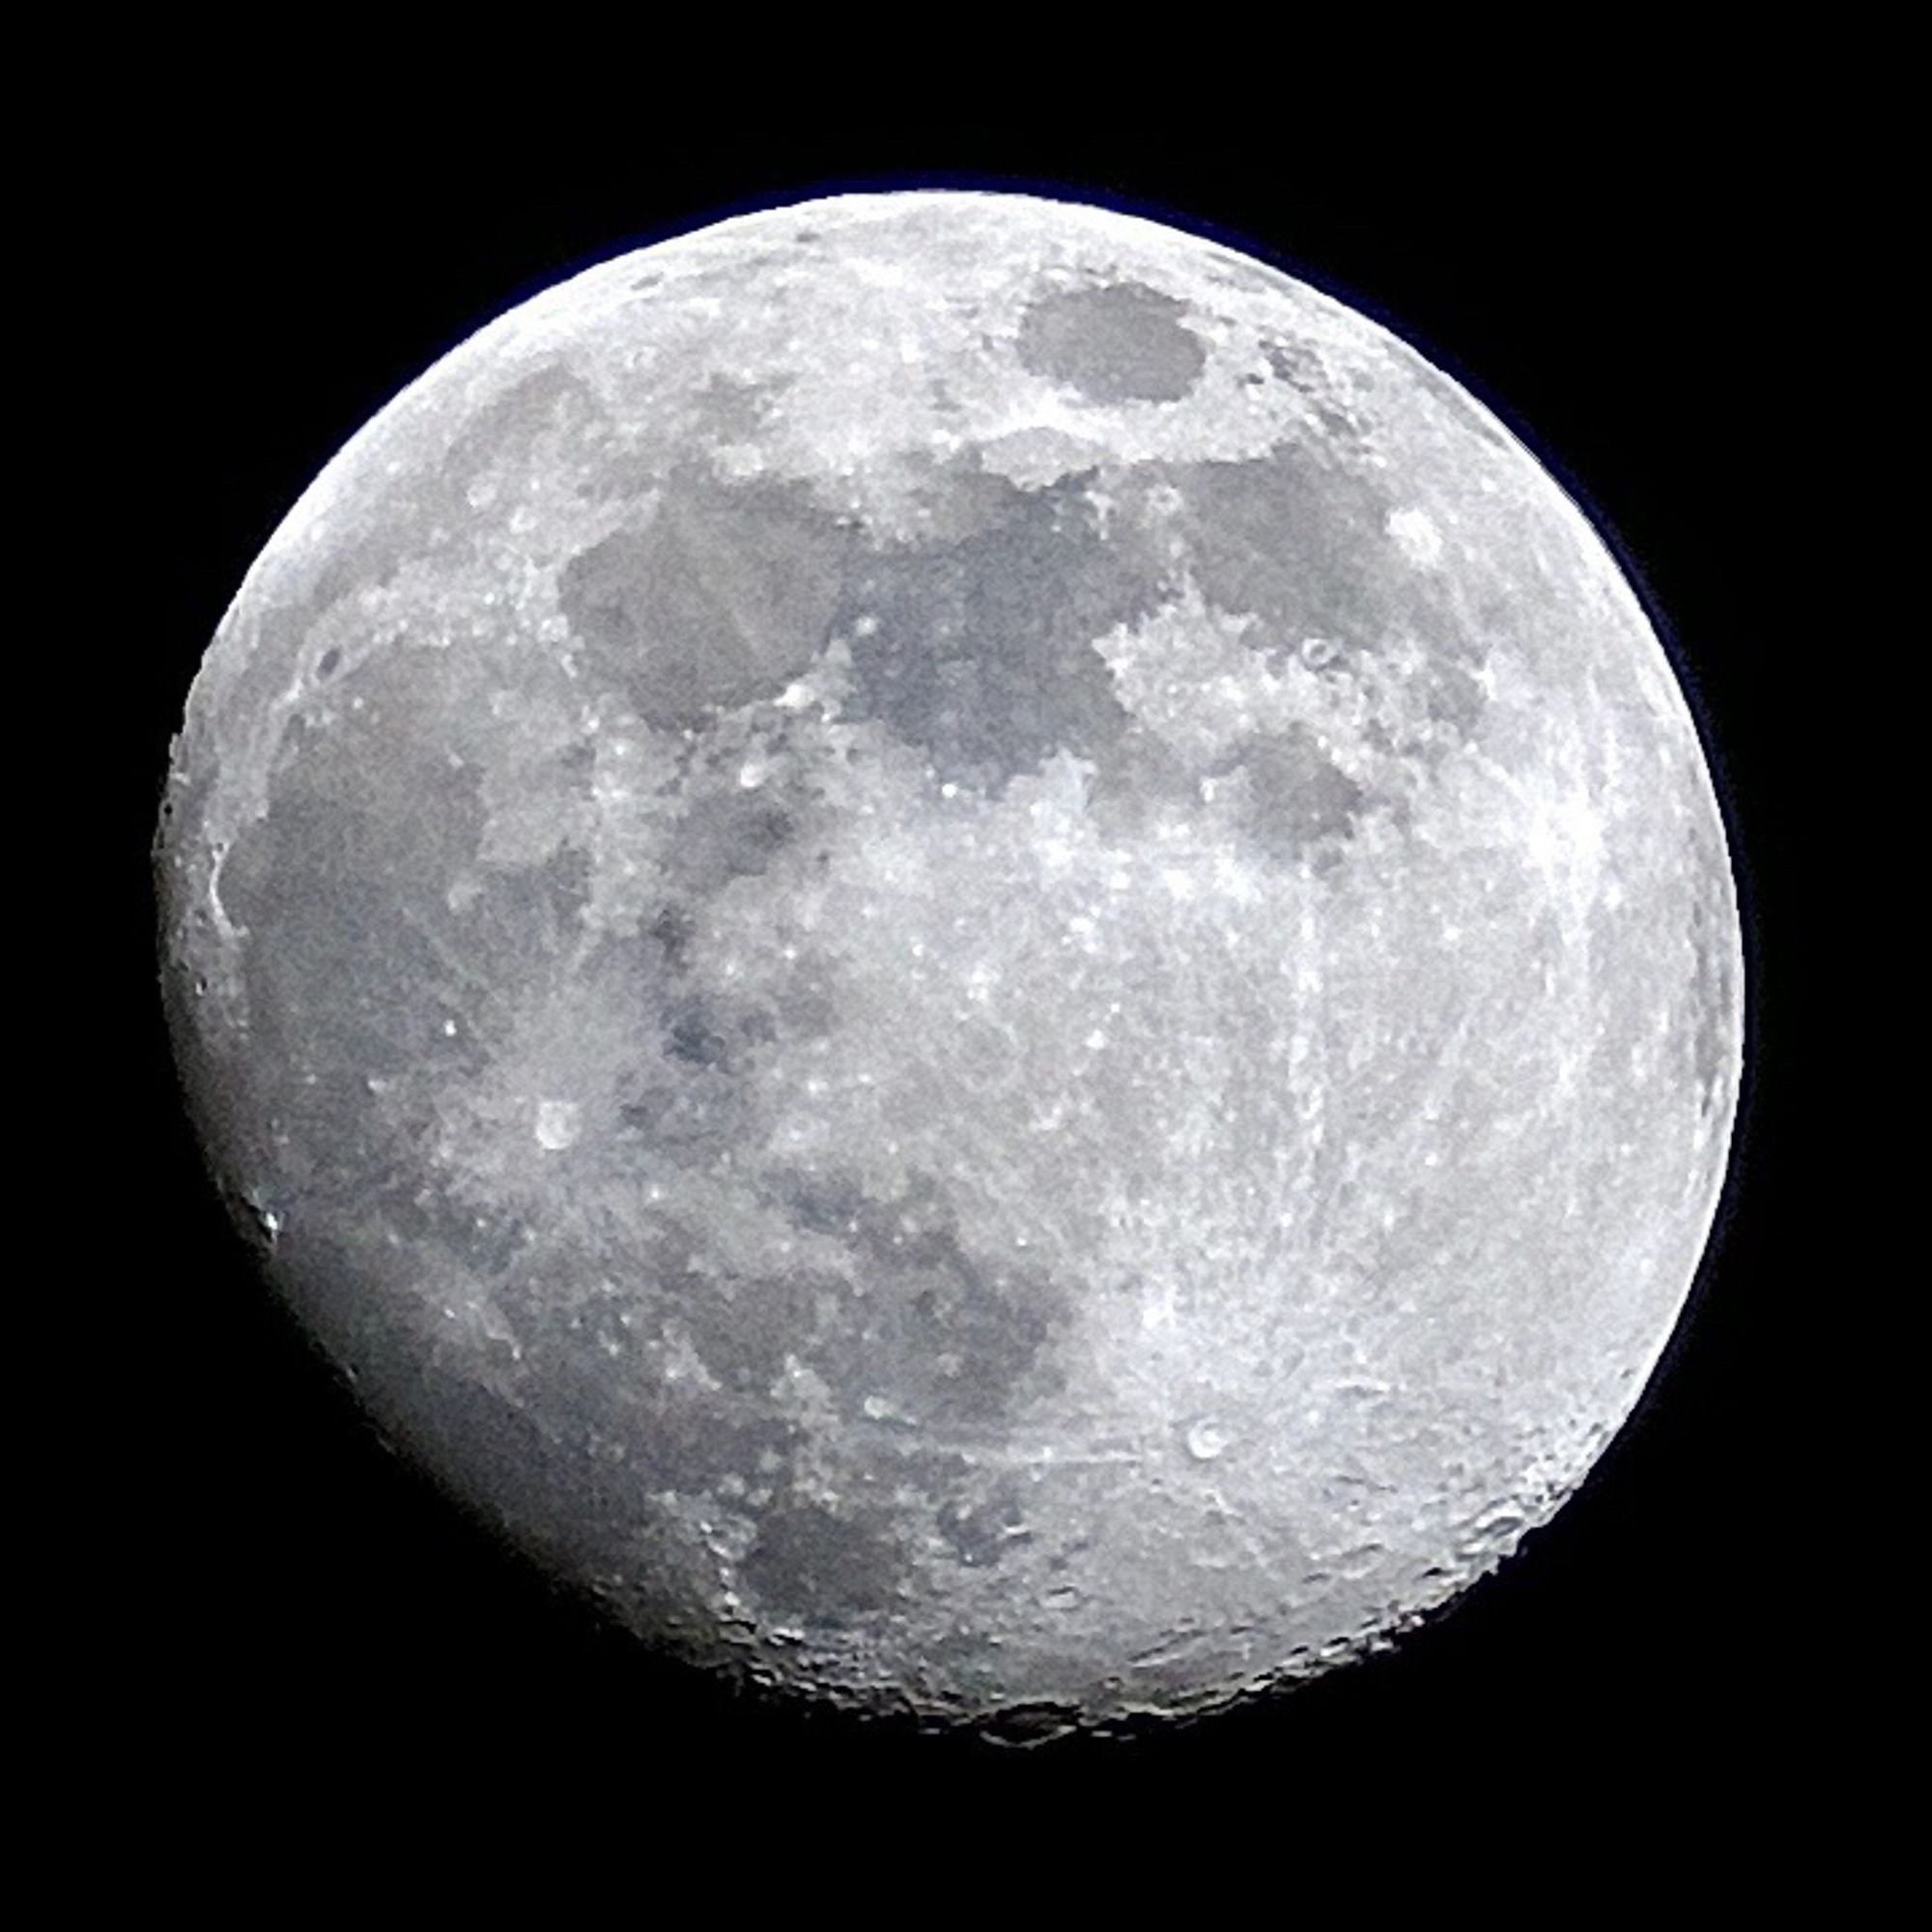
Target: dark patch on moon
(745, 1326)
(1712, 995)
(1297, 797)
(1454, 698)
(1120, 342)
(727, 411)
(1297, 543)
(980, 651)
(730, 833)
(1293, 364)
(526, 917)
(1140, 780)
(954, 496)
(340, 887)
(695, 1038)
(669, 933)
(725, 596)
(674, 1433)
(501, 433)
(943, 1334)
(817, 1565)
(686, 1107)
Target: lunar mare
(971, 950)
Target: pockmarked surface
(977, 954)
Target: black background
(301, 1621)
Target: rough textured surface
(974, 952)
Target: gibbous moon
(973, 953)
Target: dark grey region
(824, 1567)
(506, 427)
(724, 595)
(899, 1308)
(1302, 543)
(975, 644)
(727, 832)
(1294, 365)
(1295, 795)
(1713, 981)
(904, 1311)
(1117, 342)
(350, 971)
(949, 1336)
(979, 650)
(975, 647)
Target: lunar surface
(974, 954)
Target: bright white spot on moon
(1418, 539)
(1110, 894)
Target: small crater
(1118, 343)
(981, 1532)
(1029, 1724)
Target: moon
(972, 952)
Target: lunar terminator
(975, 953)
